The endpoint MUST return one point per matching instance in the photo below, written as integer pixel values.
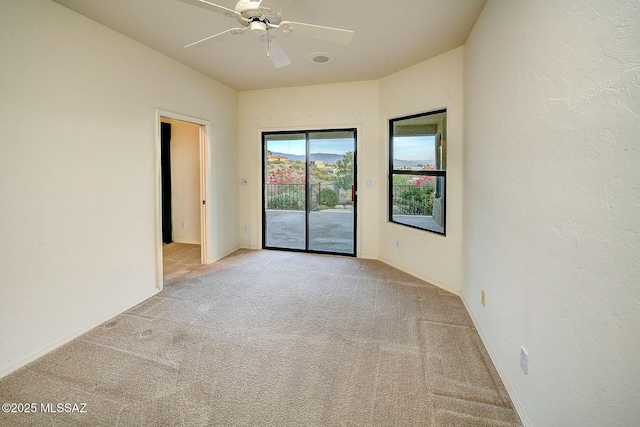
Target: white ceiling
(389, 36)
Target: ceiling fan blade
(318, 32)
(273, 6)
(213, 7)
(217, 38)
(275, 52)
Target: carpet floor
(271, 338)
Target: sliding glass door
(309, 193)
(284, 185)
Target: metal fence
(286, 197)
(408, 199)
(292, 196)
(411, 199)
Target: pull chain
(268, 44)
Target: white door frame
(205, 226)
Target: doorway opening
(309, 191)
(183, 146)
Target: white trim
(503, 376)
(420, 276)
(30, 357)
(229, 252)
(251, 247)
(158, 209)
(205, 144)
(205, 173)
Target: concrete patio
(330, 230)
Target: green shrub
(328, 197)
(292, 200)
(414, 200)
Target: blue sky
(414, 147)
(297, 147)
(405, 147)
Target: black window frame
(440, 174)
(307, 209)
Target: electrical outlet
(182, 224)
(397, 243)
(245, 228)
(482, 300)
(524, 360)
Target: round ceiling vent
(321, 58)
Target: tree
(344, 173)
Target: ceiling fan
(260, 20)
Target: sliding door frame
(306, 132)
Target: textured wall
(552, 204)
(431, 85)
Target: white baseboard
(421, 277)
(187, 242)
(503, 376)
(372, 257)
(249, 247)
(229, 252)
(390, 263)
(19, 363)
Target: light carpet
(271, 338)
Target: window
(418, 171)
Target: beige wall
(78, 175)
(185, 181)
(311, 107)
(552, 204)
(431, 85)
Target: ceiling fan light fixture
(258, 28)
(259, 19)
